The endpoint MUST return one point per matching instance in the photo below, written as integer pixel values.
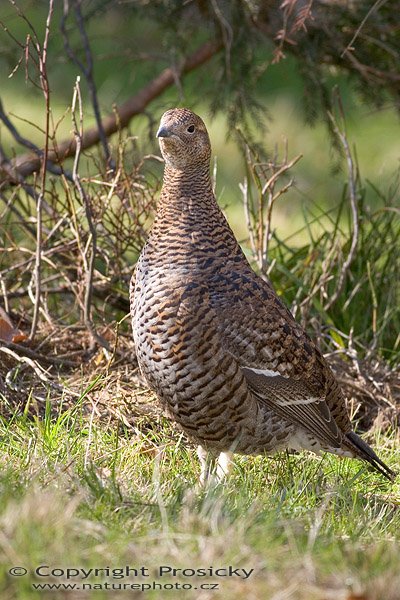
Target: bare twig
(15, 133)
(42, 54)
(370, 73)
(27, 164)
(258, 212)
(89, 265)
(10, 173)
(227, 35)
(376, 6)
(273, 196)
(352, 180)
(87, 70)
(5, 294)
(24, 351)
(10, 206)
(25, 359)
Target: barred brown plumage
(225, 357)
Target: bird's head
(184, 139)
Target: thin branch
(42, 53)
(376, 6)
(227, 36)
(15, 133)
(273, 197)
(341, 135)
(39, 371)
(26, 164)
(87, 70)
(11, 206)
(247, 203)
(78, 132)
(371, 74)
(9, 169)
(50, 360)
(258, 212)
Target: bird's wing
(294, 401)
(258, 328)
(264, 337)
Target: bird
(225, 357)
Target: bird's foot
(213, 470)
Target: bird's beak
(164, 132)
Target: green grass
(367, 307)
(78, 493)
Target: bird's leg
(224, 465)
(206, 460)
(211, 471)
(204, 464)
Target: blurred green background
(121, 70)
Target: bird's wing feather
(255, 323)
(262, 334)
(294, 401)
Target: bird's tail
(362, 450)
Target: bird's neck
(192, 183)
(189, 218)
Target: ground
(93, 476)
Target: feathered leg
(213, 471)
(224, 465)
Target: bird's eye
(190, 129)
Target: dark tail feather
(365, 452)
